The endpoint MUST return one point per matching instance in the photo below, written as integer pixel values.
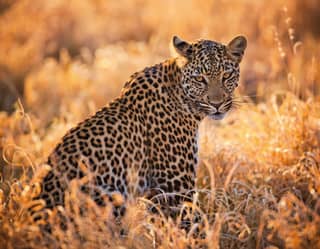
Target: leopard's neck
(176, 95)
(160, 83)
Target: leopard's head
(210, 73)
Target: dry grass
(259, 177)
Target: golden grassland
(258, 183)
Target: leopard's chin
(217, 116)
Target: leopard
(151, 129)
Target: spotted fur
(151, 128)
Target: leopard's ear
(237, 47)
(183, 48)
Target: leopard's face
(210, 74)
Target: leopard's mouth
(214, 112)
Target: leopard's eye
(200, 78)
(226, 75)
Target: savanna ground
(259, 176)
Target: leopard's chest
(173, 146)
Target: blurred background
(56, 55)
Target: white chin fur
(217, 116)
